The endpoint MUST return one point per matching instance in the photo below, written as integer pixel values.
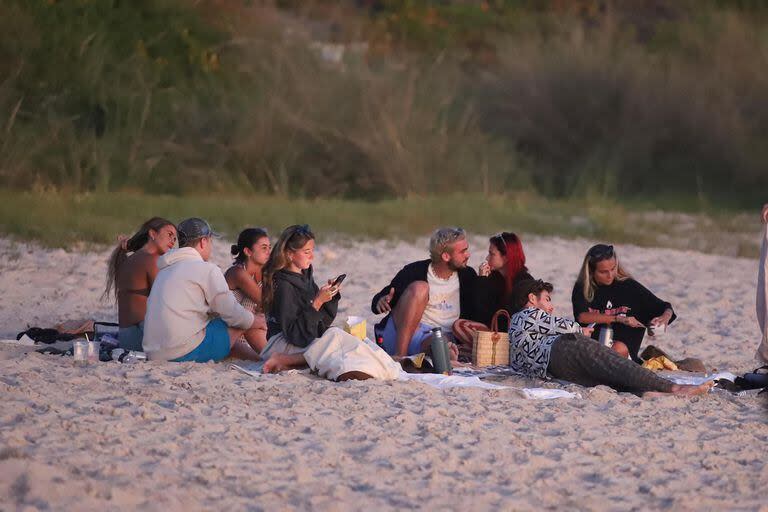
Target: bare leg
(238, 350)
(407, 314)
(353, 376)
(256, 338)
(620, 349)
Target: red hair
(512, 248)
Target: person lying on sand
(606, 294)
(502, 269)
(300, 314)
(187, 291)
(131, 271)
(427, 294)
(541, 343)
(244, 278)
(762, 291)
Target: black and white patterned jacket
(531, 334)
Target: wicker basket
(491, 348)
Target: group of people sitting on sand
(177, 306)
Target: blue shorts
(129, 338)
(214, 347)
(390, 338)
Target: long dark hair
(128, 245)
(246, 239)
(510, 245)
(292, 238)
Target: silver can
(128, 356)
(606, 336)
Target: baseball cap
(194, 228)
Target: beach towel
(435, 380)
(694, 379)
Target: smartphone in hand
(338, 280)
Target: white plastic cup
(80, 351)
(93, 351)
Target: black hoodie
(292, 312)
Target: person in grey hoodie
(192, 314)
(297, 310)
(300, 315)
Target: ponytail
(246, 239)
(127, 245)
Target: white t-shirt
(444, 304)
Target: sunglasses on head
(302, 230)
(502, 244)
(600, 252)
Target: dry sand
(165, 436)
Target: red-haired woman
(502, 269)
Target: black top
(490, 296)
(417, 271)
(628, 297)
(292, 312)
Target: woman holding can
(605, 294)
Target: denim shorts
(130, 337)
(389, 333)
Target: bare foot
(453, 350)
(682, 390)
(276, 363)
(701, 389)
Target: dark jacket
(292, 312)
(629, 297)
(417, 271)
(490, 296)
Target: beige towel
(75, 326)
(337, 352)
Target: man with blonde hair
(426, 294)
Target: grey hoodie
(185, 296)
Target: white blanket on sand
(437, 381)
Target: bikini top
(144, 292)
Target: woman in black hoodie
(297, 310)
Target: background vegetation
(597, 101)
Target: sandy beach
(168, 436)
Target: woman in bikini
(131, 270)
(244, 278)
